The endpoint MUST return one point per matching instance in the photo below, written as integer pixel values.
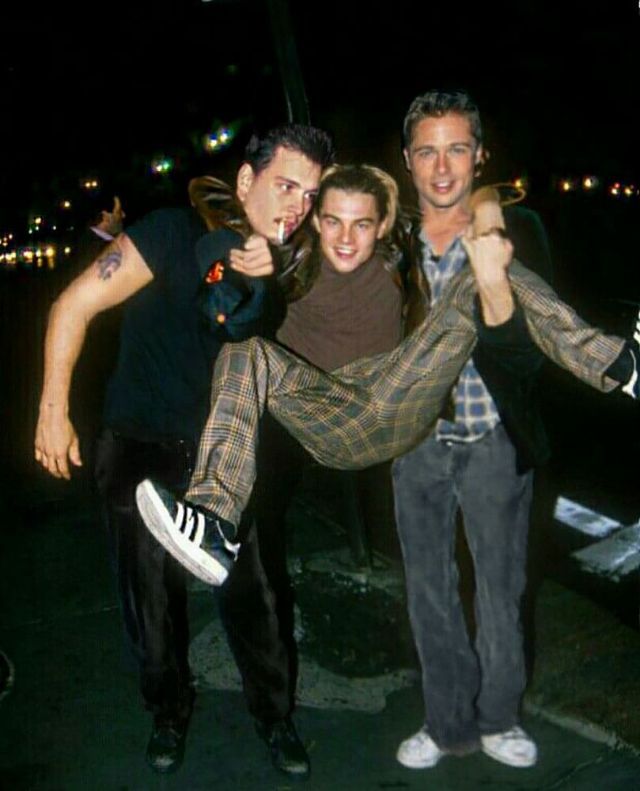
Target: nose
(298, 205)
(442, 162)
(346, 234)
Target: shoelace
(513, 734)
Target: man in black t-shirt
(157, 398)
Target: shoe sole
(158, 521)
(518, 763)
(419, 764)
(162, 769)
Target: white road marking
(617, 552)
(585, 520)
(614, 557)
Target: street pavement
(73, 720)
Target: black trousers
(151, 584)
(256, 602)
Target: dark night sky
(557, 82)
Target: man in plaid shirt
(479, 461)
(470, 463)
(385, 406)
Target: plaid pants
(376, 408)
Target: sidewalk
(73, 720)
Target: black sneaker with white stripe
(196, 537)
(632, 386)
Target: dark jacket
(506, 358)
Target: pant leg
(151, 584)
(585, 351)
(256, 602)
(425, 491)
(496, 505)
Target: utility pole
(284, 43)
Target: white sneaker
(513, 747)
(419, 751)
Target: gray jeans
(468, 690)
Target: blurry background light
(162, 165)
(221, 137)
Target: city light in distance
(162, 165)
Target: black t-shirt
(160, 387)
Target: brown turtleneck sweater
(345, 316)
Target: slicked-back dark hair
(314, 143)
(435, 104)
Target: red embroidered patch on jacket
(215, 273)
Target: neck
(442, 225)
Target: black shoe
(287, 751)
(165, 750)
(196, 538)
(6, 675)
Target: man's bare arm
(113, 277)
(490, 255)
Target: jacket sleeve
(257, 309)
(508, 348)
(506, 357)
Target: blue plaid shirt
(475, 410)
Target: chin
(345, 267)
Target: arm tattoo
(109, 263)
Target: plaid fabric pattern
(475, 410)
(373, 409)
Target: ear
(316, 221)
(479, 160)
(244, 181)
(407, 161)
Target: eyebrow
(330, 216)
(294, 183)
(449, 145)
